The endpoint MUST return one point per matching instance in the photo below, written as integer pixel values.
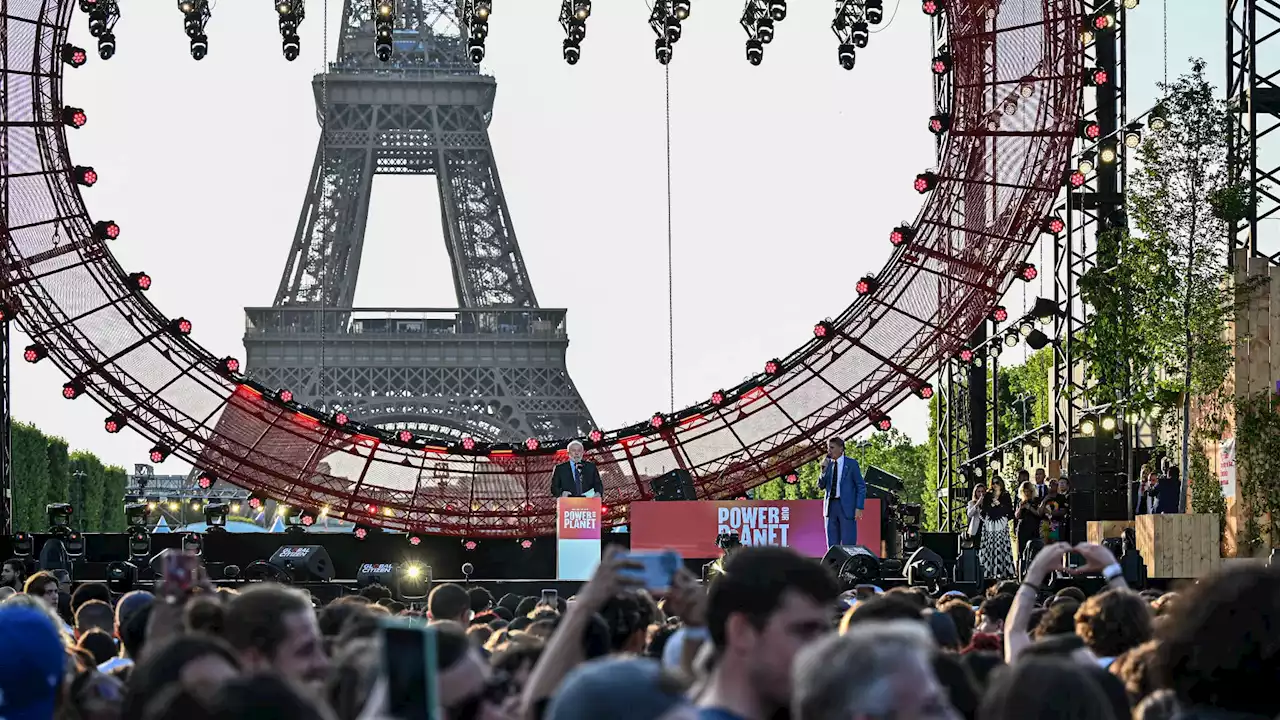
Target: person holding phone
(576, 476)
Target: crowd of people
(772, 637)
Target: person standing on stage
(576, 477)
(996, 550)
(844, 493)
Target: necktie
(577, 483)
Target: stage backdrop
(690, 527)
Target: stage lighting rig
(103, 16)
(852, 28)
(573, 18)
(195, 16)
(292, 13)
(758, 18)
(666, 22)
(383, 24)
(475, 13)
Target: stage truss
(1016, 78)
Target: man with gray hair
(576, 477)
(876, 670)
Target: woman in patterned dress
(996, 552)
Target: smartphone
(657, 569)
(179, 570)
(410, 667)
(550, 597)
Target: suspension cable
(321, 215)
(671, 292)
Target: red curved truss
(1017, 79)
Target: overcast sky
(787, 179)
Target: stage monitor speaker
(376, 574)
(875, 477)
(675, 485)
(853, 565)
(946, 544)
(304, 563)
(925, 567)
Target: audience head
(95, 615)
(13, 573)
(201, 664)
(274, 628)
(449, 602)
(992, 613)
(481, 599)
(32, 665)
(1040, 687)
(631, 689)
(1113, 622)
(961, 613)
(98, 644)
(44, 586)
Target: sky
(786, 180)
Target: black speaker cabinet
(675, 485)
(304, 563)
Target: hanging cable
(671, 289)
(324, 224)
(1166, 42)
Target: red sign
(578, 518)
(690, 528)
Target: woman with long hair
(996, 552)
(973, 513)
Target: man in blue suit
(844, 493)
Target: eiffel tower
(492, 368)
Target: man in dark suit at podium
(844, 493)
(575, 477)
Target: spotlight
(1088, 129)
(764, 30)
(34, 353)
(383, 25)
(340, 418)
(468, 443)
(470, 545)
(1025, 328)
(1133, 135)
(1103, 21)
(847, 55)
(97, 22)
(657, 421)
(412, 581)
(291, 47)
(755, 51)
(199, 46)
(773, 367)
(1096, 76)
(1131, 4)
(572, 52)
(74, 117)
(662, 51)
(881, 421)
(932, 7)
(924, 567)
(778, 10)
(999, 313)
(1087, 161)
(106, 230)
(902, 234)
(1011, 339)
(1107, 422)
(121, 577)
(206, 480)
(23, 545)
(925, 182)
(924, 391)
(1158, 119)
(1074, 179)
(1052, 225)
(107, 45)
(939, 124)
(717, 397)
(215, 514)
(191, 543)
(82, 175)
(136, 515)
(1028, 272)
(59, 516)
(965, 355)
(74, 56)
(180, 326)
(859, 35)
(526, 544)
(114, 423)
(1044, 310)
(285, 396)
(140, 281)
(531, 444)
(1107, 153)
(292, 13)
(824, 330)
(1088, 426)
(582, 9)
(875, 11)
(139, 543)
(1046, 440)
(680, 9)
(229, 365)
(72, 390)
(866, 285)
(158, 453)
(941, 64)
(482, 9)
(595, 436)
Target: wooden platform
(1099, 530)
(1179, 546)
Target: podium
(1179, 546)
(577, 537)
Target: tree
(117, 481)
(59, 471)
(91, 490)
(30, 478)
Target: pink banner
(578, 518)
(690, 528)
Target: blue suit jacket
(853, 489)
(1166, 499)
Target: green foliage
(1024, 395)
(30, 478)
(1258, 465)
(117, 481)
(91, 490)
(1206, 489)
(59, 471)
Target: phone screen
(551, 597)
(409, 664)
(657, 571)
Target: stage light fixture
(1046, 439)
(965, 355)
(859, 35)
(531, 444)
(206, 480)
(468, 444)
(902, 235)
(199, 46)
(34, 353)
(74, 56)
(999, 313)
(107, 45)
(847, 55)
(1011, 339)
(1088, 129)
(1044, 310)
(881, 421)
(755, 51)
(1107, 422)
(939, 124)
(340, 418)
(1028, 272)
(158, 453)
(73, 389)
(1074, 179)
(1158, 119)
(482, 9)
(662, 51)
(778, 10)
(1133, 135)
(932, 7)
(180, 326)
(23, 545)
(59, 515)
(292, 13)
(680, 9)
(191, 543)
(1088, 425)
(1052, 225)
(717, 397)
(229, 365)
(361, 531)
(941, 64)
(106, 230)
(924, 391)
(114, 423)
(874, 11)
(925, 182)
(773, 367)
(1037, 340)
(595, 436)
(526, 544)
(1104, 20)
(74, 117)
(470, 545)
(405, 436)
(1025, 328)
(285, 396)
(136, 515)
(1097, 76)
(824, 330)
(1131, 4)
(657, 421)
(82, 175)
(572, 52)
(1088, 160)
(139, 543)
(383, 27)
(139, 281)
(866, 285)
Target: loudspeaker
(852, 564)
(875, 477)
(675, 485)
(375, 574)
(946, 544)
(1094, 455)
(304, 563)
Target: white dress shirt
(835, 477)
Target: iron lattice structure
(1000, 169)
(491, 369)
(1254, 97)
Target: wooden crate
(1179, 546)
(1099, 530)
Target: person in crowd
(996, 552)
(1142, 490)
(1026, 518)
(1113, 623)
(1023, 476)
(99, 645)
(87, 592)
(973, 513)
(1058, 619)
(199, 663)
(960, 685)
(274, 628)
(991, 615)
(33, 665)
(1054, 510)
(1168, 490)
(1042, 485)
(95, 615)
(963, 615)
(44, 586)
(1040, 687)
(880, 669)
(844, 494)
(481, 600)
(130, 644)
(449, 602)
(634, 688)
(769, 603)
(1136, 669)
(13, 574)
(576, 477)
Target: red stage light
(74, 56)
(595, 436)
(1075, 178)
(255, 502)
(824, 330)
(902, 235)
(867, 285)
(74, 117)
(106, 230)
(113, 424)
(1089, 130)
(404, 436)
(469, 545)
(965, 355)
(773, 367)
(931, 7)
(372, 509)
(7, 312)
(941, 63)
(180, 326)
(82, 175)
(604, 510)
(924, 391)
(340, 418)
(308, 520)
(791, 478)
(414, 540)
(925, 182)
(205, 481)
(361, 533)
(881, 421)
(939, 124)
(73, 390)
(717, 397)
(468, 443)
(140, 281)
(159, 453)
(285, 396)
(34, 353)
(999, 313)
(526, 544)
(229, 365)
(1052, 225)
(1028, 272)
(1103, 21)
(657, 420)
(531, 444)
